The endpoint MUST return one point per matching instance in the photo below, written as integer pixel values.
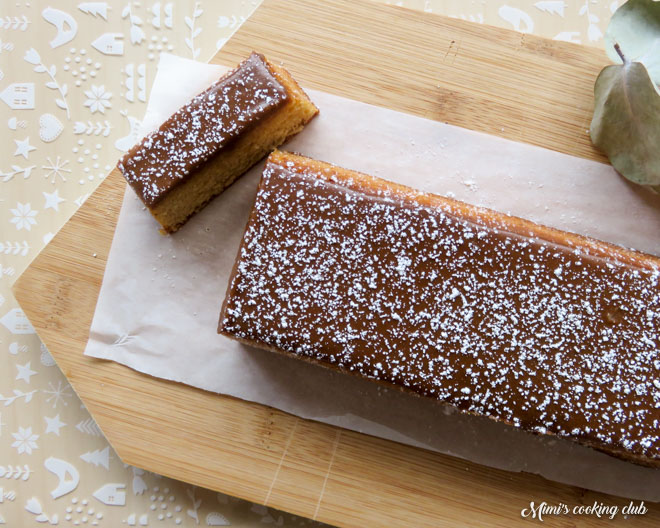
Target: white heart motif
(50, 128)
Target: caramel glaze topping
(547, 337)
(202, 128)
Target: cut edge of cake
(216, 174)
(262, 139)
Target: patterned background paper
(74, 79)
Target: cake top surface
(548, 337)
(200, 129)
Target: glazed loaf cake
(545, 330)
(202, 148)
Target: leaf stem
(59, 89)
(618, 50)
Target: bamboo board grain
(516, 86)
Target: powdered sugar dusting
(545, 337)
(200, 129)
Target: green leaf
(626, 122)
(635, 27)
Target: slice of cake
(201, 149)
(545, 330)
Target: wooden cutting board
(516, 86)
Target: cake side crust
(598, 446)
(479, 215)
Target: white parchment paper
(159, 304)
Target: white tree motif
(551, 6)
(99, 457)
(95, 9)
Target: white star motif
(53, 425)
(53, 200)
(25, 372)
(23, 148)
